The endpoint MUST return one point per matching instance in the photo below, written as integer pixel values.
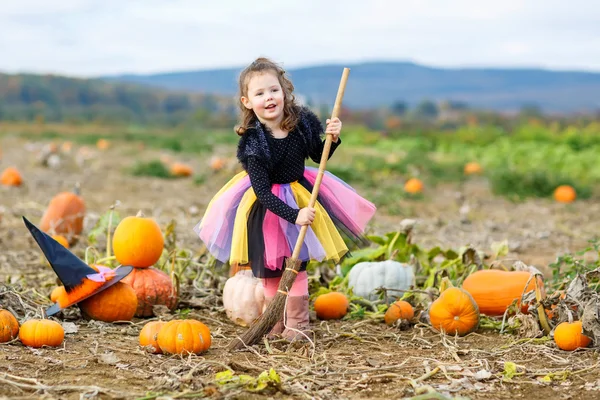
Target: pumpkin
(9, 326)
(152, 287)
(102, 144)
(565, 194)
(66, 147)
(57, 292)
(62, 240)
(454, 312)
(184, 336)
(180, 169)
(149, 335)
(365, 277)
(11, 177)
(569, 336)
(398, 311)
(216, 163)
(473, 168)
(494, 290)
(64, 215)
(41, 332)
(243, 298)
(413, 186)
(138, 241)
(116, 303)
(332, 305)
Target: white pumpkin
(243, 298)
(366, 277)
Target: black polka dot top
(288, 155)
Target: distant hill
(378, 84)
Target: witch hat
(79, 279)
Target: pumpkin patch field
(481, 280)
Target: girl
(256, 217)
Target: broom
(274, 312)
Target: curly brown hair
(290, 109)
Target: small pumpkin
(565, 194)
(473, 168)
(332, 305)
(569, 336)
(152, 287)
(9, 326)
(138, 241)
(413, 186)
(116, 303)
(41, 332)
(216, 163)
(243, 298)
(494, 290)
(64, 215)
(102, 144)
(57, 292)
(62, 240)
(366, 277)
(454, 312)
(180, 169)
(184, 336)
(11, 177)
(149, 335)
(400, 310)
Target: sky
(88, 38)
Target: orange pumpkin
(117, 303)
(454, 312)
(64, 216)
(569, 336)
(41, 332)
(138, 241)
(494, 290)
(216, 163)
(149, 336)
(152, 287)
(11, 177)
(332, 305)
(184, 336)
(180, 169)
(413, 186)
(473, 168)
(9, 326)
(398, 310)
(62, 240)
(58, 292)
(102, 144)
(565, 194)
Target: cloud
(93, 37)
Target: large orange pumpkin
(152, 287)
(184, 336)
(11, 177)
(64, 216)
(117, 303)
(454, 312)
(9, 326)
(494, 290)
(565, 194)
(149, 336)
(332, 305)
(138, 241)
(41, 332)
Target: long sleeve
(259, 178)
(316, 153)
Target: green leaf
(361, 255)
(500, 249)
(510, 370)
(224, 377)
(377, 239)
(101, 226)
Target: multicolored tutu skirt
(238, 229)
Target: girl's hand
(305, 216)
(334, 127)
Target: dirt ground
(349, 359)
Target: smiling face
(265, 97)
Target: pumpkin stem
(77, 188)
(140, 214)
(445, 284)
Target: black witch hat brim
(69, 268)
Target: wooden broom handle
(324, 157)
